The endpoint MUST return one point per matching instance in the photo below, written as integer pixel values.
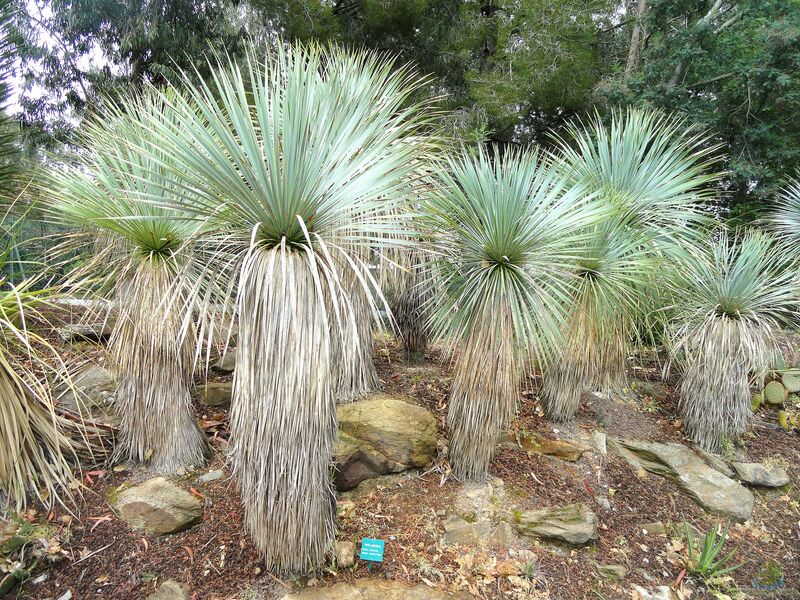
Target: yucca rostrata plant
(297, 160)
(36, 451)
(785, 217)
(506, 228)
(139, 255)
(407, 281)
(650, 173)
(734, 293)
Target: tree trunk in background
(634, 52)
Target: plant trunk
(352, 348)
(483, 397)
(153, 351)
(283, 417)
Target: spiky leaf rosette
(785, 218)
(735, 292)
(653, 171)
(505, 229)
(141, 257)
(611, 277)
(298, 161)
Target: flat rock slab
(158, 506)
(574, 524)
(382, 435)
(374, 589)
(708, 487)
(762, 475)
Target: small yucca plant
(408, 285)
(651, 175)
(607, 300)
(506, 230)
(785, 218)
(139, 255)
(734, 293)
(298, 161)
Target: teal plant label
(371, 549)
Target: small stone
(345, 554)
(211, 476)
(604, 503)
(612, 572)
(227, 362)
(599, 442)
(654, 527)
(169, 590)
(662, 592)
(216, 394)
(158, 506)
(762, 475)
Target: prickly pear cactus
(775, 393)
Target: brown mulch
(216, 558)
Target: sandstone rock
(761, 475)
(211, 476)
(216, 394)
(375, 589)
(536, 443)
(613, 572)
(92, 394)
(158, 506)
(344, 552)
(714, 461)
(654, 527)
(599, 442)
(458, 530)
(169, 590)
(381, 435)
(574, 523)
(502, 536)
(227, 362)
(708, 487)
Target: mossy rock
(775, 393)
(791, 380)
